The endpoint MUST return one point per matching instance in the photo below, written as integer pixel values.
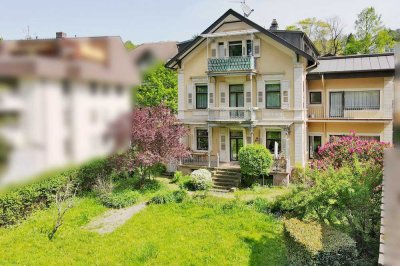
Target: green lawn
(199, 232)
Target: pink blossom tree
(155, 137)
(343, 150)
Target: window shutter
(223, 94)
(260, 94)
(247, 93)
(190, 96)
(285, 94)
(211, 93)
(214, 50)
(226, 49)
(257, 47)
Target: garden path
(112, 219)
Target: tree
(160, 86)
(129, 45)
(335, 32)
(155, 135)
(254, 160)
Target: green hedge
(18, 203)
(316, 244)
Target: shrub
(343, 150)
(120, 200)
(299, 175)
(316, 244)
(169, 197)
(19, 203)
(201, 179)
(254, 160)
(178, 175)
(89, 172)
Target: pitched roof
(371, 62)
(162, 51)
(199, 39)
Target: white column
(299, 144)
(387, 135)
(209, 145)
(298, 91)
(251, 135)
(388, 97)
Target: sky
(168, 20)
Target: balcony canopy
(229, 33)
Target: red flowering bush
(343, 150)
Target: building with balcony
(57, 99)
(241, 83)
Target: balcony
(231, 114)
(359, 113)
(233, 63)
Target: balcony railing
(233, 63)
(201, 159)
(315, 113)
(231, 114)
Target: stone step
(227, 171)
(219, 190)
(228, 182)
(228, 177)
(222, 187)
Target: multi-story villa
(57, 98)
(241, 83)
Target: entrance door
(236, 142)
(336, 104)
(236, 99)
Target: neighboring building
(241, 83)
(57, 98)
(148, 54)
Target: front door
(336, 104)
(236, 142)
(236, 99)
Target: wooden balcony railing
(231, 114)
(233, 63)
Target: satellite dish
(246, 9)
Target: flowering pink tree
(155, 137)
(343, 150)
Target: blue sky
(151, 20)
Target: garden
(329, 215)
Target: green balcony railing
(233, 63)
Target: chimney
(274, 25)
(61, 35)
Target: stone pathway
(113, 219)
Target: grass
(268, 193)
(198, 232)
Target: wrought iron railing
(233, 63)
(201, 159)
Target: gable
(226, 22)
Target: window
(273, 95)
(370, 138)
(201, 96)
(202, 139)
(314, 143)
(315, 97)
(272, 137)
(249, 48)
(235, 48)
(362, 100)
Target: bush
(316, 244)
(299, 175)
(120, 200)
(19, 203)
(201, 179)
(91, 171)
(254, 160)
(178, 175)
(169, 197)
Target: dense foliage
(254, 160)
(165, 197)
(159, 86)
(201, 179)
(316, 244)
(344, 150)
(120, 200)
(155, 138)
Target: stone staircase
(225, 179)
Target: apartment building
(57, 99)
(241, 83)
